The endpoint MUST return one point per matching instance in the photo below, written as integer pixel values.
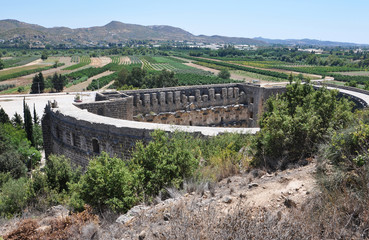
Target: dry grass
(317, 219)
(82, 225)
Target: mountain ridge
(15, 31)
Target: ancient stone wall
(219, 116)
(184, 105)
(84, 130)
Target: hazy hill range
(113, 32)
(308, 42)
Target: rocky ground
(199, 212)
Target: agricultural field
(19, 61)
(81, 62)
(21, 71)
(260, 64)
(115, 59)
(159, 63)
(254, 76)
(135, 60)
(358, 73)
(195, 79)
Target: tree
(35, 117)
(224, 73)
(58, 82)
(38, 83)
(28, 126)
(137, 76)
(56, 64)
(17, 121)
(44, 55)
(1, 64)
(122, 78)
(290, 78)
(4, 118)
(163, 79)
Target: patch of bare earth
(83, 86)
(100, 61)
(125, 60)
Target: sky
(334, 20)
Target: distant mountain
(308, 42)
(113, 32)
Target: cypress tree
(35, 117)
(17, 121)
(28, 126)
(4, 118)
(38, 83)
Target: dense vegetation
(297, 122)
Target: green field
(21, 71)
(19, 61)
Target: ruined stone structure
(116, 120)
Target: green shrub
(108, 182)
(296, 122)
(60, 173)
(14, 196)
(163, 162)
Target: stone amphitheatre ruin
(115, 121)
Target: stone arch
(95, 146)
(100, 111)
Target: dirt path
(83, 86)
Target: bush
(163, 162)
(296, 122)
(224, 73)
(14, 196)
(16, 151)
(60, 173)
(108, 182)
